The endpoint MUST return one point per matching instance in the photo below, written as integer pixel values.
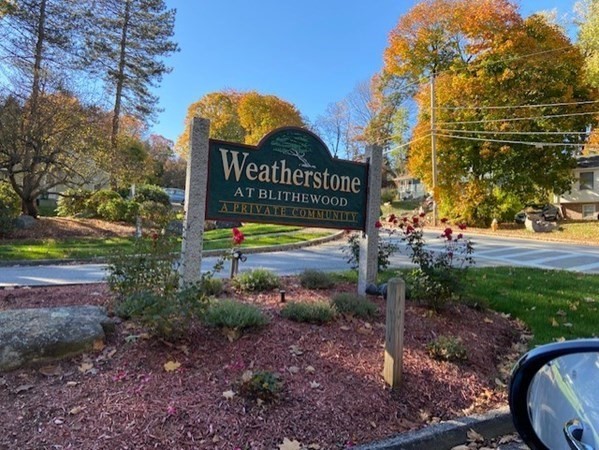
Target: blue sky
(310, 53)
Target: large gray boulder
(36, 335)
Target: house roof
(586, 162)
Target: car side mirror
(554, 396)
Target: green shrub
(388, 195)
(447, 348)
(151, 193)
(117, 210)
(355, 305)
(318, 312)
(150, 268)
(384, 251)
(72, 202)
(9, 208)
(263, 385)
(156, 214)
(234, 315)
(169, 316)
(99, 198)
(256, 280)
(315, 279)
(211, 286)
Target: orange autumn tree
(487, 59)
(243, 117)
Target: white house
(582, 201)
(409, 187)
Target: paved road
(489, 251)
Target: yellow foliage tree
(243, 117)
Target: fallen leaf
(247, 376)
(290, 445)
(111, 353)
(560, 339)
(76, 410)
(228, 395)
(345, 328)
(85, 367)
(184, 349)
(293, 369)
(554, 323)
(561, 313)
(171, 366)
(460, 447)
(50, 371)
(473, 436)
(99, 345)
(487, 320)
(372, 424)
(499, 383)
(367, 325)
(58, 421)
(310, 369)
(232, 334)
(365, 331)
(72, 383)
(295, 350)
(23, 388)
(314, 385)
(567, 324)
(508, 438)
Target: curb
(207, 253)
(446, 435)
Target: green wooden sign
(289, 178)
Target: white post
(368, 263)
(195, 202)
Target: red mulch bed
(126, 399)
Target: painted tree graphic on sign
(293, 144)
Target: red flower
(378, 224)
(444, 220)
(409, 229)
(462, 226)
(395, 222)
(238, 237)
(422, 214)
(405, 219)
(154, 236)
(460, 236)
(447, 232)
(391, 218)
(415, 220)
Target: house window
(586, 180)
(588, 211)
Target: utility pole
(434, 147)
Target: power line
(546, 105)
(514, 119)
(505, 141)
(407, 143)
(516, 132)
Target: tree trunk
(29, 207)
(120, 79)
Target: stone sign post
(368, 263)
(195, 202)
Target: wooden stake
(396, 305)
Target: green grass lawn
(554, 304)
(257, 235)
(582, 231)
